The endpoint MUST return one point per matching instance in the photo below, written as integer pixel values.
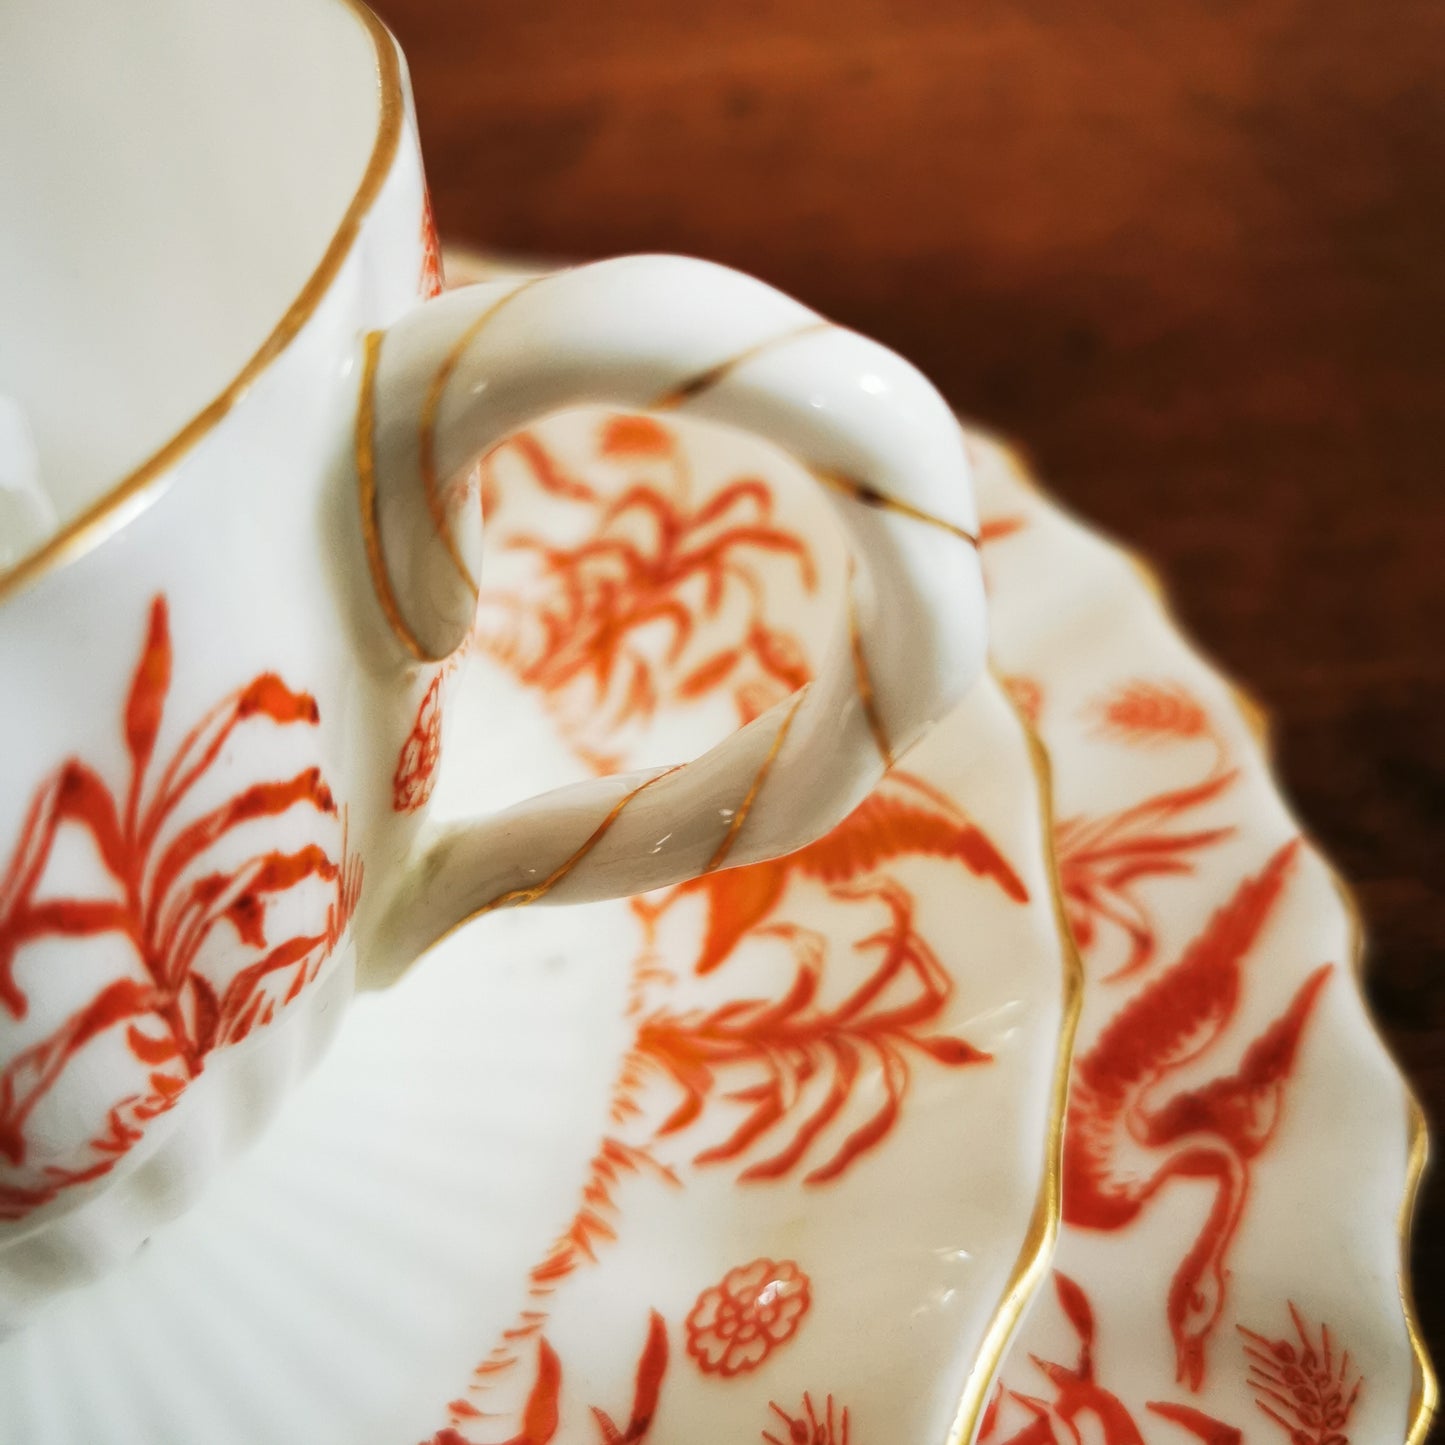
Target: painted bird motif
(903, 816)
(1124, 1142)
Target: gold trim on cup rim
(140, 487)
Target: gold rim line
(142, 485)
(1036, 1253)
(872, 497)
(737, 820)
(867, 699)
(1424, 1387)
(521, 897)
(367, 501)
(1257, 717)
(426, 428)
(694, 386)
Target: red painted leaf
(1075, 1304)
(149, 687)
(149, 1050)
(709, 674)
(953, 1051)
(269, 697)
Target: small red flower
(736, 1324)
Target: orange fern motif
(541, 1415)
(904, 816)
(595, 1221)
(617, 626)
(1302, 1387)
(784, 1043)
(1102, 861)
(1118, 1105)
(178, 893)
(611, 627)
(808, 1427)
(1078, 1395)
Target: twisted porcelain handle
(457, 376)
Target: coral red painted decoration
(808, 1427)
(430, 282)
(184, 990)
(1307, 1391)
(995, 529)
(1151, 713)
(903, 817)
(420, 756)
(542, 1413)
(651, 1367)
(1078, 1395)
(784, 1042)
(738, 1322)
(595, 1220)
(1103, 861)
(650, 562)
(1026, 694)
(1117, 1105)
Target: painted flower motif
(736, 1324)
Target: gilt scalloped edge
(1032, 1264)
(1425, 1387)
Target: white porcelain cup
(222, 669)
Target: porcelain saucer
(1241, 1154)
(769, 1154)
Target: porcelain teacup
(224, 665)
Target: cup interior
(172, 172)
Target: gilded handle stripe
(521, 897)
(872, 497)
(695, 386)
(867, 699)
(426, 437)
(740, 816)
(367, 499)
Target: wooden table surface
(1189, 254)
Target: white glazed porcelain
(220, 709)
(1240, 1152)
(474, 1224)
(783, 1134)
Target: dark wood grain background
(1192, 255)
